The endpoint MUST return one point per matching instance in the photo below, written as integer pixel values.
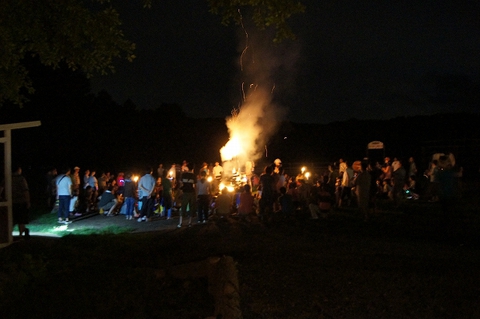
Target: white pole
(8, 181)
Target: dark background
(94, 132)
(403, 74)
(351, 59)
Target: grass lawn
(408, 263)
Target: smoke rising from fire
(256, 120)
(250, 129)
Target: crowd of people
(360, 184)
(271, 194)
(190, 192)
(71, 195)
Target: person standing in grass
(92, 181)
(20, 201)
(167, 194)
(146, 188)
(362, 190)
(286, 203)
(64, 193)
(267, 197)
(129, 193)
(446, 187)
(203, 197)
(86, 179)
(188, 199)
(217, 177)
(246, 206)
(398, 184)
(346, 186)
(75, 176)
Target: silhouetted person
(20, 201)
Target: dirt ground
(407, 263)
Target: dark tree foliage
(87, 35)
(82, 35)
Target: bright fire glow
(231, 149)
(307, 175)
(303, 169)
(209, 178)
(230, 188)
(250, 129)
(135, 178)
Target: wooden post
(6, 219)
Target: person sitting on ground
(385, 190)
(325, 200)
(223, 204)
(246, 206)
(286, 203)
(410, 191)
(107, 202)
(313, 203)
(293, 191)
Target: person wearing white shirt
(217, 174)
(146, 186)
(64, 193)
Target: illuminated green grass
(46, 223)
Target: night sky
(352, 59)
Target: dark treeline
(93, 131)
